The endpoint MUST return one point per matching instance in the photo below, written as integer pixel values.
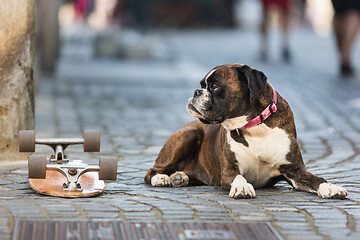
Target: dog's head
(227, 91)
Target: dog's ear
(256, 80)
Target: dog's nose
(197, 93)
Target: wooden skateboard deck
(53, 185)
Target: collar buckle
(272, 103)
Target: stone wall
(16, 73)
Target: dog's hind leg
(172, 157)
(303, 180)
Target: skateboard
(61, 176)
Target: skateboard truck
(73, 172)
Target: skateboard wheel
(27, 141)
(91, 141)
(37, 166)
(107, 168)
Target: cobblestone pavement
(138, 104)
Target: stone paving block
(300, 236)
(177, 216)
(4, 223)
(5, 234)
(345, 204)
(104, 215)
(134, 207)
(289, 216)
(330, 224)
(166, 205)
(19, 179)
(19, 193)
(334, 233)
(18, 186)
(233, 203)
(244, 208)
(136, 214)
(352, 236)
(209, 209)
(22, 209)
(292, 225)
(255, 218)
(291, 228)
(219, 218)
(4, 181)
(62, 214)
(310, 206)
(214, 214)
(96, 207)
(328, 216)
(171, 207)
(58, 208)
(140, 216)
(135, 181)
(177, 212)
(281, 209)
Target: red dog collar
(270, 109)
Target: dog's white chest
(267, 150)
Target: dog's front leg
(240, 188)
(172, 157)
(233, 181)
(303, 180)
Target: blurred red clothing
(81, 7)
(283, 4)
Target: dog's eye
(214, 86)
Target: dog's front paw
(179, 179)
(328, 190)
(160, 180)
(241, 189)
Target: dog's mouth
(193, 111)
(196, 113)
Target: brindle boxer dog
(245, 138)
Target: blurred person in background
(284, 9)
(346, 25)
(103, 15)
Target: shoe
(346, 70)
(263, 56)
(286, 55)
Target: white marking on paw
(241, 189)
(160, 180)
(328, 190)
